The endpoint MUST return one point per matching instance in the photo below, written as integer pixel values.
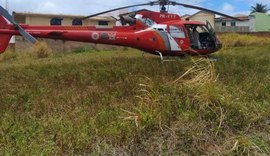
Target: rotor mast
(162, 4)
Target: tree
(259, 7)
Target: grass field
(119, 102)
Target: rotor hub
(162, 4)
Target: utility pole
(7, 5)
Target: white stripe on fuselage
(163, 27)
(173, 44)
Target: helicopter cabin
(201, 36)
(197, 35)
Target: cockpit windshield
(147, 21)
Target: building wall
(240, 26)
(238, 23)
(239, 29)
(262, 22)
(203, 17)
(32, 20)
(252, 23)
(20, 19)
(242, 23)
(45, 20)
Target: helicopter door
(178, 35)
(211, 32)
(209, 26)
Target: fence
(61, 46)
(232, 29)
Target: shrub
(42, 50)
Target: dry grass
(239, 40)
(8, 56)
(42, 50)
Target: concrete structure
(259, 22)
(202, 17)
(59, 46)
(224, 24)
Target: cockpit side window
(177, 32)
(149, 22)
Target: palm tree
(259, 7)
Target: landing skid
(162, 58)
(173, 59)
(212, 58)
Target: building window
(77, 22)
(56, 21)
(223, 24)
(233, 24)
(105, 23)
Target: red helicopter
(158, 33)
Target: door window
(177, 32)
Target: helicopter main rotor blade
(25, 34)
(204, 9)
(116, 9)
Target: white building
(224, 24)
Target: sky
(88, 7)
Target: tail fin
(4, 39)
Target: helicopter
(160, 33)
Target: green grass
(120, 102)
